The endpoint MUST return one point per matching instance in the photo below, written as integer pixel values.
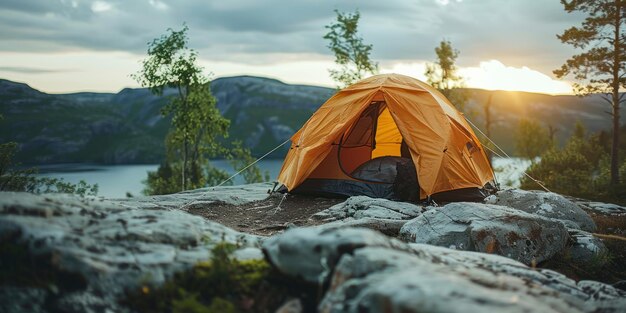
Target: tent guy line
(506, 154)
(195, 199)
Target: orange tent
(354, 142)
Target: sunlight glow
(72, 71)
(415, 70)
(493, 75)
(109, 71)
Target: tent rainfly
(387, 136)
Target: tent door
(373, 151)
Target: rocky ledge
(62, 253)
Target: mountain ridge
(126, 127)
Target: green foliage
(580, 168)
(167, 178)
(602, 34)
(197, 127)
(351, 54)
(48, 185)
(240, 157)
(12, 178)
(26, 180)
(189, 304)
(215, 176)
(444, 77)
(601, 67)
(221, 284)
(531, 139)
(170, 63)
(196, 122)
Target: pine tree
(601, 68)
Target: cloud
(446, 2)
(30, 70)
(514, 31)
(100, 6)
(258, 33)
(158, 5)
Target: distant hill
(560, 112)
(127, 127)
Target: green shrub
(222, 284)
(580, 169)
(13, 178)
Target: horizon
(264, 77)
(94, 46)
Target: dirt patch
(264, 217)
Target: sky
(61, 46)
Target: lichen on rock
(488, 228)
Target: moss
(18, 267)
(221, 284)
(189, 304)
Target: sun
(494, 75)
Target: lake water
(114, 181)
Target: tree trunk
(552, 133)
(615, 144)
(183, 97)
(487, 110)
(195, 157)
(184, 171)
(615, 98)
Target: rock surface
(586, 249)
(389, 227)
(365, 207)
(602, 208)
(383, 215)
(93, 251)
(235, 195)
(488, 228)
(311, 253)
(374, 273)
(546, 204)
(108, 247)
